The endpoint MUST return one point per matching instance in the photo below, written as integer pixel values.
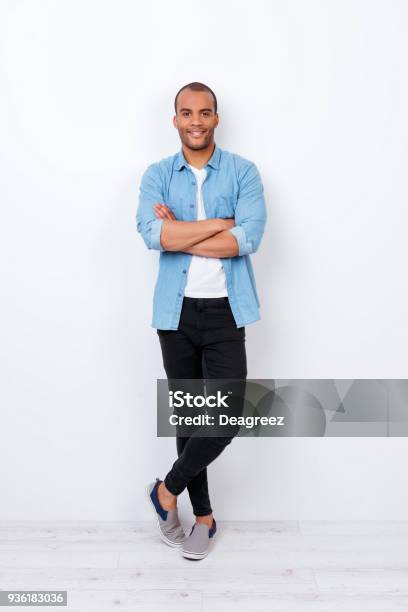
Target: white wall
(314, 93)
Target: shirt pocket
(225, 206)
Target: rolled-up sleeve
(150, 192)
(250, 212)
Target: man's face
(195, 119)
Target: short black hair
(196, 87)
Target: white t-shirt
(206, 276)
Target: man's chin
(196, 146)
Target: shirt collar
(214, 160)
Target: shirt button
(192, 182)
(184, 271)
(191, 205)
(179, 294)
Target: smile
(196, 133)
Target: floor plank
(285, 566)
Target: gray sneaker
(170, 529)
(197, 544)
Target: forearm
(222, 244)
(181, 235)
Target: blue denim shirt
(232, 188)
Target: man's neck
(198, 159)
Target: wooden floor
(253, 566)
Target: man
(204, 210)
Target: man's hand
(229, 223)
(162, 211)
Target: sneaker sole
(162, 535)
(191, 555)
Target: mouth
(196, 133)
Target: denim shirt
(232, 188)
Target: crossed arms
(208, 238)
(215, 237)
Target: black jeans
(206, 345)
